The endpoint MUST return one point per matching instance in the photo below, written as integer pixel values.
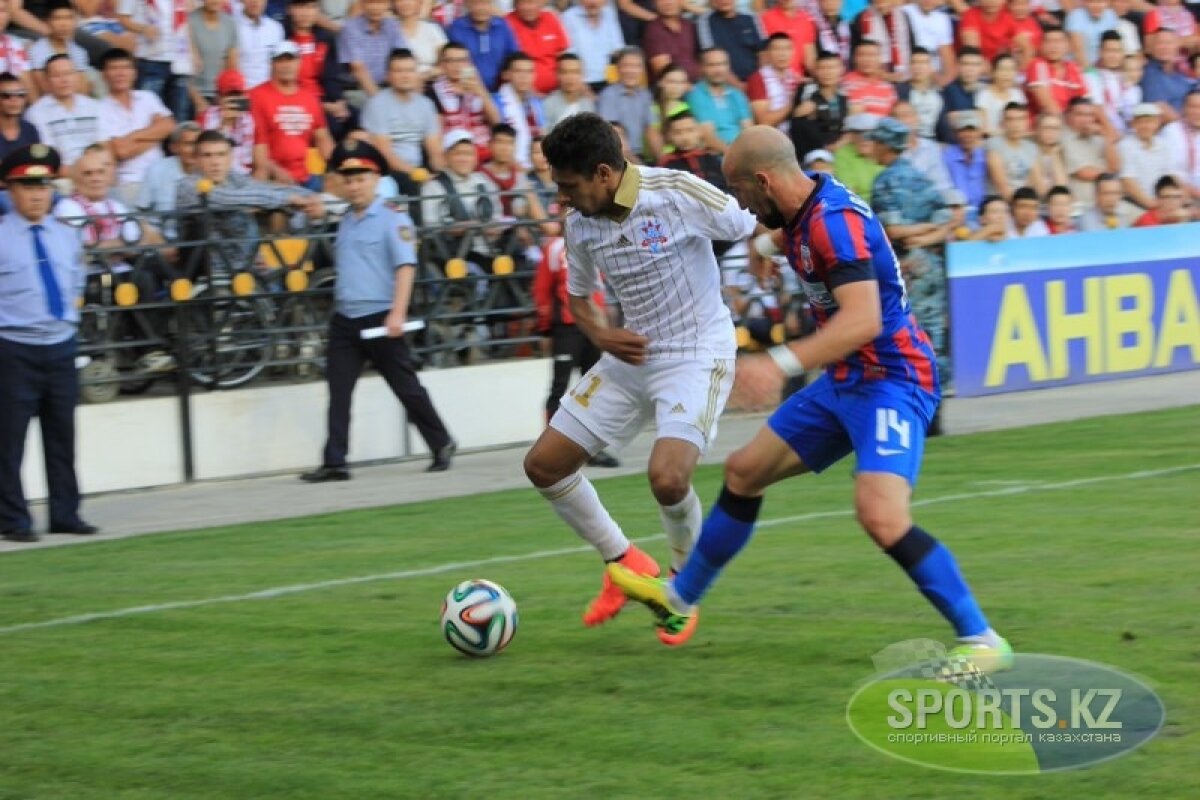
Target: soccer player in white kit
(650, 232)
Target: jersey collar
(627, 193)
(819, 179)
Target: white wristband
(764, 245)
(786, 360)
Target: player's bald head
(761, 148)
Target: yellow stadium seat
(456, 269)
(285, 253)
(314, 163)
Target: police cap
(356, 156)
(37, 163)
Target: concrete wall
(137, 443)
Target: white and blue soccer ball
(479, 618)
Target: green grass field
(348, 691)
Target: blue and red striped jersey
(836, 239)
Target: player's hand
(395, 323)
(758, 379)
(626, 345)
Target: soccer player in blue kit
(876, 398)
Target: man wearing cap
(231, 116)
(376, 263)
(41, 282)
(915, 217)
(65, 120)
(1144, 155)
(460, 199)
(819, 161)
(852, 162)
(966, 161)
(287, 121)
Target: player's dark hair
(1165, 182)
(581, 143)
(114, 54)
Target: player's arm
(858, 321)
(624, 344)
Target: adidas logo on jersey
(678, 409)
(623, 241)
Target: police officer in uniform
(41, 281)
(917, 220)
(376, 265)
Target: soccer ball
(479, 618)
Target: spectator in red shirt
(865, 88)
(1172, 205)
(540, 36)
(287, 122)
(990, 27)
(1028, 39)
(771, 90)
(787, 17)
(319, 67)
(671, 39)
(1051, 82)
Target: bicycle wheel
(229, 338)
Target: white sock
(682, 523)
(575, 501)
(988, 638)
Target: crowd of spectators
(1030, 119)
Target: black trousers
(570, 349)
(347, 355)
(38, 380)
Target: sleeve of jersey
(712, 213)
(581, 270)
(839, 239)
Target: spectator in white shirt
(932, 28)
(164, 50)
(65, 119)
(257, 37)
(134, 120)
(595, 34)
(1144, 156)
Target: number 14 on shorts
(892, 434)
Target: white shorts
(612, 403)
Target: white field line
(282, 591)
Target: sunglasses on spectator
(11, 95)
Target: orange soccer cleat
(611, 599)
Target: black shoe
(21, 535)
(79, 528)
(603, 459)
(443, 457)
(323, 474)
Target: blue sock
(725, 532)
(934, 571)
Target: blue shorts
(883, 423)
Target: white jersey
(658, 260)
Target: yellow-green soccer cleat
(673, 628)
(987, 659)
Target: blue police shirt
(370, 247)
(24, 307)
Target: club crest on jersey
(654, 238)
(806, 258)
